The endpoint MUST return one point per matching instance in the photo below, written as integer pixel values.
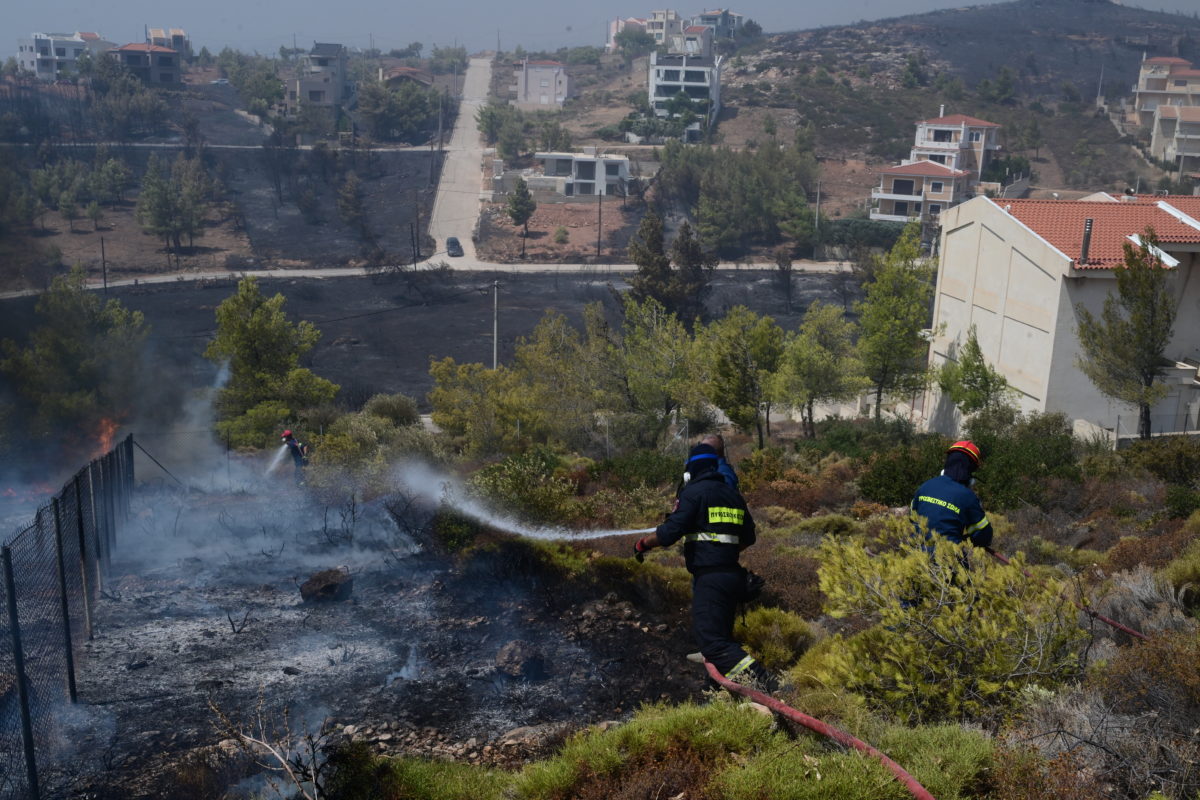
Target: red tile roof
(143, 48)
(929, 169)
(1060, 222)
(545, 63)
(1167, 60)
(88, 36)
(961, 119)
(695, 29)
(1185, 72)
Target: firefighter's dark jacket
(713, 521)
(953, 510)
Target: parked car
(220, 82)
(453, 246)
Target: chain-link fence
(51, 574)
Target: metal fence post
(10, 594)
(83, 565)
(62, 594)
(97, 525)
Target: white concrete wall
(996, 275)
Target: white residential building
(694, 40)
(619, 24)
(50, 56)
(944, 168)
(1175, 136)
(1165, 81)
(582, 174)
(541, 85)
(664, 24)
(697, 77)
(1017, 270)
(724, 23)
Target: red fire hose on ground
(1090, 612)
(817, 726)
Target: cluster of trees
(406, 113)
(255, 77)
(267, 387)
(512, 131)
(80, 364)
(576, 388)
(75, 188)
(567, 55)
(122, 106)
(744, 198)
(443, 60)
(174, 204)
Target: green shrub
(858, 438)
(1174, 459)
(829, 524)
(561, 236)
(258, 428)
(526, 485)
(453, 531)
(1181, 501)
(1185, 570)
(774, 636)
(398, 409)
(958, 634)
(639, 467)
(761, 467)
(892, 476)
(1020, 456)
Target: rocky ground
(203, 636)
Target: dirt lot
(500, 240)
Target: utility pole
(817, 210)
(495, 324)
(104, 266)
(497, 42)
(599, 218)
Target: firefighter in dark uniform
(299, 453)
(948, 502)
(711, 518)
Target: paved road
(457, 205)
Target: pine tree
(521, 206)
(1122, 351)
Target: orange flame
(106, 434)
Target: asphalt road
(457, 205)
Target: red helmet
(970, 448)
(286, 434)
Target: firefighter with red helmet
(949, 504)
(299, 453)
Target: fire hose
(817, 726)
(1090, 612)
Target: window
(545, 83)
(900, 209)
(938, 159)
(1181, 83)
(612, 169)
(316, 96)
(976, 136)
(694, 76)
(934, 209)
(902, 186)
(61, 52)
(936, 187)
(942, 136)
(165, 61)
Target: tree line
(626, 385)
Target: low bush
(892, 476)
(774, 636)
(358, 774)
(791, 579)
(398, 409)
(958, 634)
(1174, 459)
(1155, 550)
(1184, 571)
(639, 467)
(1021, 453)
(1021, 773)
(527, 486)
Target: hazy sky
(264, 25)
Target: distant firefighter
(949, 504)
(299, 452)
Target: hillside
(1029, 64)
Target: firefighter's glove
(640, 548)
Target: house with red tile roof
(1018, 270)
(1164, 81)
(950, 154)
(154, 64)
